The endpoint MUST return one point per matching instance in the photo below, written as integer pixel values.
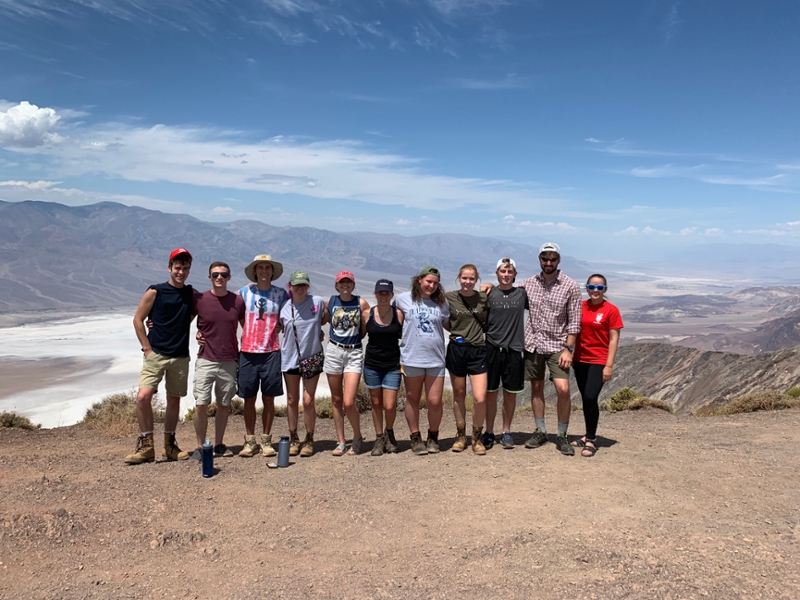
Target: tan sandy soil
(670, 507)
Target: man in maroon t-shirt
(219, 313)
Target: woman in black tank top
(383, 324)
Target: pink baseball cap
(345, 275)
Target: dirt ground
(670, 507)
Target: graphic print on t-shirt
(598, 318)
(346, 320)
(261, 319)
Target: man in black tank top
(169, 306)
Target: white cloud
(25, 125)
(449, 7)
(593, 140)
(713, 231)
(508, 218)
(402, 222)
(646, 231)
(757, 181)
(628, 231)
(688, 230)
(29, 185)
(222, 210)
(509, 82)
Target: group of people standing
(491, 342)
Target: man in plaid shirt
(554, 320)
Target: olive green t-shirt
(462, 321)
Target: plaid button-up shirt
(554, 313)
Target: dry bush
(12, 419)
(793, 392)
(642, 402)
(324, 407)
(766, 400)
(115, 415)
(281, 411)
(363, 401)
(620, 400)
(237, 408)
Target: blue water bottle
(283, 451)
(208, 459)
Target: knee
(144, 398)
(308, 403)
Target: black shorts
(258, 370)
(465, 359)
(508, 365)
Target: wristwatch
(570, 348)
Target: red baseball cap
(345, 275)
(178, 251)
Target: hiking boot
(417, 445)
(377, 448)
(221, 451)
(294, 443)
(144, 451)
(308, 445)
(250, 447)
(433, 442)
(171, 450)
(488, 440)
(477, 445)
(506, 440)
(563, 445)
(266, 445)
(390, 444)
(538, 438)
(196, 455)
(461, 438)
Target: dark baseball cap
(384, 285)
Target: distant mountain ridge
(105, 255)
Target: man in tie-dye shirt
(260, 358)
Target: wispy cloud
(510, 82)
(671, 26)
(454, 7)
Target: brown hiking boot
(461, 438)
(390, 444)
(308, 445)
(294, 443)
(171, 450)
(266, 445)
(433, 442)
(417, 445)
(144, 451)
(477, 445)
(250, 447)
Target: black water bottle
(208, 459)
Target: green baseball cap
(299, 278)
(429, 270)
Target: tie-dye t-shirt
(262, 315)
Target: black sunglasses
(548, 260)
(223, 275)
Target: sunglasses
(223, 275)
(548, 260)
(596, 287)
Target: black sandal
(590, 450)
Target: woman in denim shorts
(343, 358)
(427, 315)
(383, 324)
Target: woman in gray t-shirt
(427, 315)
(302, 319)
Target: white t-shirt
(422, 344)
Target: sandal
(589, 451)
(340, 449)
(580, 442)
(355, 447)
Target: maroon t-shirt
(218, 320)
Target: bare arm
(145, 305)
(364, 319)
(613, 344)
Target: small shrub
(236, 409)
(524, 408)
(281, 411)
(115, 415)
(766, 400)
(12, 419)
(642, 402)
(324, 407)
(793, 392)
(620, 400)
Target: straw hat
(250, 270)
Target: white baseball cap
(506, 261)
(550, 247)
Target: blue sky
(618, 129)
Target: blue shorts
(375, 380)
(260, 371)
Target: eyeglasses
(596, 287)
(549, 260)
(223, 275)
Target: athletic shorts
(374, 380)
(219, 377)
(340, 360)
(535, 366)
(506, 365)
(420, 371)
(257, 370)
(465, 359)
(156, 366)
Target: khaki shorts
(535, 366)
(340, 360)
(156, 366)
(217, 376)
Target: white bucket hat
(250, 270)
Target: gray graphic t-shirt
(308, 322)
(422, 344)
